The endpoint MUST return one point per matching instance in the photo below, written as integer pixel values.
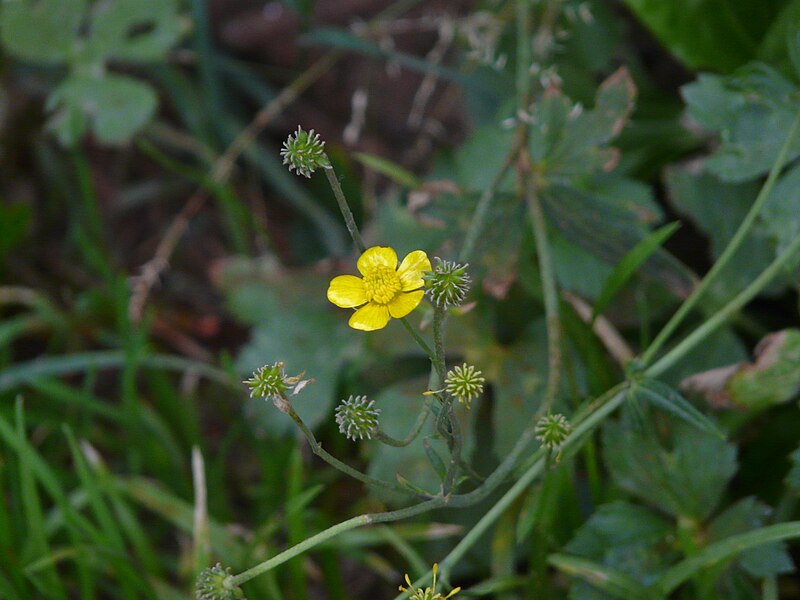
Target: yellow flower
(428, 593)
(384, 291)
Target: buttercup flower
(428, 593)
(384, 291)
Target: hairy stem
(349, 221)
(317, 449)
(550, 290)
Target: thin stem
(349, 221)
(333, 531)
(482, 209)
(699, 334)
(415, 430)
(598, 412)
(723, 550)
(730, 249)
(550, 289)
(420, 342)
(317, 449)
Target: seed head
(357, 418)
(216, 583)
(448, 283)
(269, 381)
(304, 152)
(553, 430)
(428, 593)
(464, 383)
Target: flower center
(381, 285)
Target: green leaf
(116, 107)
(718, 208)
(678, 478)
(136, 30)
(723, 550)
(773, 378)
(611, 581)
(630, 263)
(731, 30)
(41, 30)
(292, 321)
(671, 401)
(388, 168)
(609, 225)
(746, 515)
(753, 110)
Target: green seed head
(357, 418)
(216, 583)
(553, 430)
(304, 152)
(269, 381)
(448, 283)
(464, 383)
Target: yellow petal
(377, 256)
(347, 291)
(411, 269)
(370, 317)
(404, 303)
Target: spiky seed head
(464, 383)
(216, 583)
(448, 283)
(269, 381)
(357, 417)
(553, 430)
(304, 152)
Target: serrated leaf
(753, 110)
(41, 30)
(115, 106)
(609, 228)
(139, 30)
(630, 263)
(670, 400)
(773, 378)
(388, 168)
(681, 478)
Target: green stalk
(550, 289)
(723, 550)
(349, 221)
(331, 532)
(415, 429)
(699, 334)
(730, 249)
(316, 448)
(604, 407)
